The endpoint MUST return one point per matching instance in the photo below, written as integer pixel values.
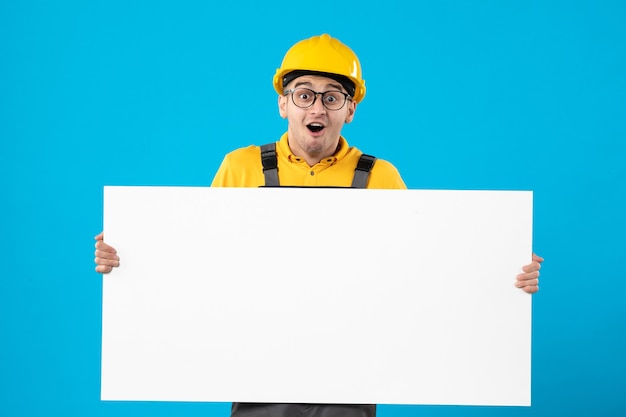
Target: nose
(318, 104)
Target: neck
(311, 157)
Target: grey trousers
(302, 410)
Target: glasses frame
(315, 94)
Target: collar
(342, 151)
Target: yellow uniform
(243, 168)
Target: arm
(528, 281)
(106, 256)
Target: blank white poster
(317, 295)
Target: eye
(304, 94)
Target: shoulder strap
(269, 159)
(362, 171)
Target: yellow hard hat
(322, 54)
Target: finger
(532, 267)
(527, 283)
(103, 269)
(537, 258)
(531, 289)
(527, 276)
(100, 245)
(107, 262)
(106, 255)
(99, 236)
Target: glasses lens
(333, 100)
(303, 97)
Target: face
(314, 132)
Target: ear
(351, 111)
(282, 106)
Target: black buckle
(366, 162)
(269, 160)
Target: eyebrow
(308, 84)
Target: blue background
(466, 95)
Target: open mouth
(315, 127)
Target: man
(319, 85)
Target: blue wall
(469, 95)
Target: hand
(106, 256)
(528, 281)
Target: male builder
(319, 85)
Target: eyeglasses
(305, 98)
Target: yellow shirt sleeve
(240, 168)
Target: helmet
(322, 54)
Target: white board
(317, 296)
